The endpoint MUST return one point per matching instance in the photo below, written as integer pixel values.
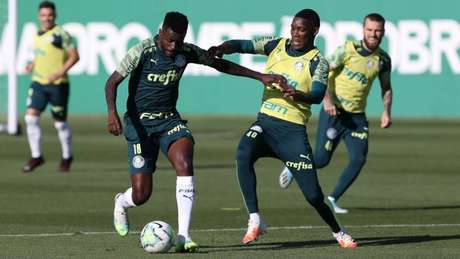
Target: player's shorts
(273, 137)
(352, 127)
(40, 95)
(147, 136)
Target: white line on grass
(234, 229)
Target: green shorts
(146, 137)
(57, 95)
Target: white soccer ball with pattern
(157, 237)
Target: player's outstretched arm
(231, 68)
(230, 47)
(113, 120)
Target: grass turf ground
(405, 204)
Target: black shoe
(64, 166)
(32, 164)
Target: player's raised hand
(114, 124)
(215, 51)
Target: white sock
(34, 134)
(185, 194)
(65, 137)
(254, 217)
(126, 200)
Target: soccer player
(279, 130)
(152, 122)
(54, 54)
(354, 66)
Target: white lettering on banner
(413, 38)
(448, 45)
(416, 46)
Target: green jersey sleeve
(68, 42)
(336, 59)
(321, 71)
(131, 60)
(265, 45)
(195, 54)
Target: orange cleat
(255, 229)
(345, 240)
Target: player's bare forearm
(111, 87)
(113, 121)
(72, 59)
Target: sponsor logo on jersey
(358, 76)
(165, 79)
(275, 107)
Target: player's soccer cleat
(335, 207)
(345, 240)
(285, 178)
(120, 218)
(32, 164)
(64, 166)
(185, 245)
(255, 229)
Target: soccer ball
(157, 237)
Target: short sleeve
(265, 45)
(130, 60)
(321, 71)
(336, 59)
(68, 42)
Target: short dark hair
(47, 4)
(374, 17)
(176, 21)
(310, 15)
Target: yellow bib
(354, 82)
(297, 72)
(48, 59)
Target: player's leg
(328, 135)
(36, 103)
(59, 97)
(251, 147)
(142, 156)
(327, 139)
(178, 144)
(295, 151)
(356, 140)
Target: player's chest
(162, 71)
(367, 66)
(295, 70)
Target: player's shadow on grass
(363, 242)
(441, 207)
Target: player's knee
(31, 119)
(61, 125)
(358, 160)
(321, 160)
(183, 167)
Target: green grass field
(405, 204)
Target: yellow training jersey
(50, 54)
(297, 72)
(352, 84)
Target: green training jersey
(154, 81)
(355, 69)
